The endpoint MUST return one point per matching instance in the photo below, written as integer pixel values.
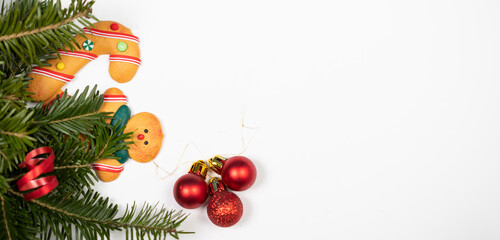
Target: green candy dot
(88, 45)
(122, 47)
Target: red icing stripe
(86, 55)
(124, 58)
(107, 168)
(107, 34)
(115, 98)
(52, 74)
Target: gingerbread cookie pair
(117, 41)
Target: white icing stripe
(125, 58)
(51, 75)
(80, 56)
(124, 100)
(120, 59)
(103, 166)
(107, 169)
(116, 100)
(138, 64)
(99, 166)
(111, 35)
(73, 54)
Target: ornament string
(42, 185)
(179, 163)
(243, 146)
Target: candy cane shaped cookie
(107, 38)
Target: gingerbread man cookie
(146, 131)
(107, 38)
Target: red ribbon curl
(28, 181)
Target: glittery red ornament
(224, 209)
(238, 173)
(191, 190)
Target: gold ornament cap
(215, 185)
(216, 163)
(199, 168)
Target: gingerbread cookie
(146, 132)
(113, 99)
(147, 136)
(108, 170)
(107, 38)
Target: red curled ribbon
(28, 181)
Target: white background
(378, 119)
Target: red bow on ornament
(28, 181)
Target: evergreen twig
(30, 29)
(5, 220)
(46, 28)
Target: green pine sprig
(30, 29)
(15, 135)
(13, 92)
(87, 215)
(71, 115)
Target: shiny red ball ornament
(238, 173)
(224, 209)
(191, 190)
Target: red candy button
(114, 26)
(140, 136)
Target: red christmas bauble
(191, 190)
(224, 209)
(238, 173)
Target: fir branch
(46, 28)
(103, 149)
(73, 166)
(15, 222)
(70, 115)
(31, 29)
(15, 134)
(72, 118)
(11, 97)
(3, 154)
(52, 208)
(15, 129)
(148, 221)
(13, 90)
(5, 220)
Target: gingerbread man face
(147, 136)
